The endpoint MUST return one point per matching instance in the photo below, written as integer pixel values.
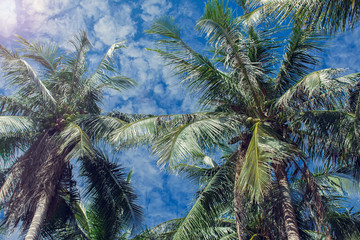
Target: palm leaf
(212, 200)
(219, 27)
(199, 74)
(99, 79)
(16, 126)
(75, 142)
(319, 88)
(188, 140)
(264, 149)
(21, 74)
(298, 58)
(332, 15)
(113, 197)
(45, 54)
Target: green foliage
(279, 102)
(43, 134)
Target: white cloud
(114, 28)
(126, 108)
(149, 106)
(45, 7)
(154, 8)
(95, 8)
(35, 13)
(8, 17)
(62, 28)
(159, 89)
(343, 51)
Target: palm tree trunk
(39, 217)
(239, 203)
(291, 227)
(239, 198)
(316, 204)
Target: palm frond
(100, 79)
(22, 75)
(299, 57)
(16, 126)
(319, 89)
(76, 62)
(100, 127)
(264, 149)
(12, 105)
(198, 72)
(75, 142)
(45, 54)
(113, 197)
(119, 83)
(333, 15)
(221, 30)
(187, 141)
(212, 200)
(135, 133)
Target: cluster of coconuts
(58, 123)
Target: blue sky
(106, 21)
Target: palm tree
(40, 137)
(251, 103)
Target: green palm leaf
(219, 27)
(298, 58)
(99, 77)
(114, 199)
(16, 126)
(264, 149)
(332, 15)
(320, 88)
(213, 199)
(75, 142)
(45, 54)
(197, 71)
(22, 75)
(187, 141)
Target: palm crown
(41, 138)
(254, 101)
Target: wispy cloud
(154, 8)
(116, 27)
(8, 17)
(343, 51)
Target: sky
(163, 196)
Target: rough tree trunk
(239, 198)
(39, 172)
(39, 217)
(316, 204)
(291, 227)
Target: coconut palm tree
(40, 137)
(253, 96)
